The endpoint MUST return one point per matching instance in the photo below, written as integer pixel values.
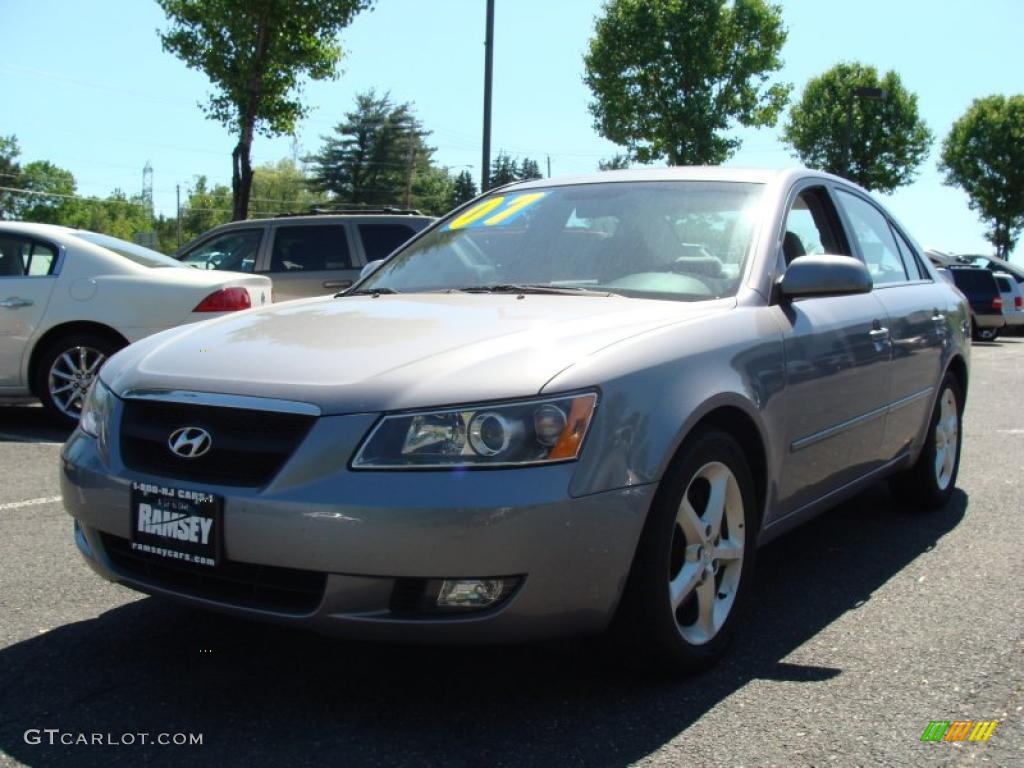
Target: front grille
(248, 447)
(243, 585)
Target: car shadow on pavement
(268, 694)
(30, 424)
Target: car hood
(365, 354)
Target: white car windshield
(682, 240)
(147, 257)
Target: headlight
(96, 410)
(537, 431)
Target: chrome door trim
(856, 421)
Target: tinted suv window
(1004, 285)
(974, 280)
(871, 230)
(235, 251)
(379, 240)
(310, 248)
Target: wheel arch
(958, 367)
(65, 329)
(736, 417)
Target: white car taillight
(225, 300)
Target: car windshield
(682, 240)
(147, 257)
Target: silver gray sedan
(570, 406)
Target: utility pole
(549, 166)
(485, 168)
(408, 178)
(177, 195)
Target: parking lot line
(29, 502)
(9, 438)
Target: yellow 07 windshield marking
(514, 207)
(476, 212)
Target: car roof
(33, 228)
(687, 173)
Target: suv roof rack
(318, 210)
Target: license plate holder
(179, 525)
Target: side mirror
(825, 276)
(370, 268)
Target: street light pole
(861, 92)
(485, 167)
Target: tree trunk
(241, 175)
(241, 157)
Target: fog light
(470, 593)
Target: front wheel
(690, 578)
(930, 482)
(66, 369)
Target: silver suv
(305, 255)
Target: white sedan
(70, 298)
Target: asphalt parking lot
(870, 622)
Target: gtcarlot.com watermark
(55, 736)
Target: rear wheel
(66, 369)
(986, 334)
(930, 482)
(689, 581)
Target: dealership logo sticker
(958, 730)
(190, 442)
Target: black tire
(41, 377)
(922, 486)
(646, 620)
(986, 334)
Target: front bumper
(367, 533)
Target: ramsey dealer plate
(176, 524)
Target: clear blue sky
(87, 86)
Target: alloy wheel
(947, 442)
(70, 377)
(707, 553)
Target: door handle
(15, 302)
(337, 283)
(879, 334)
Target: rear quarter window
(379, 240)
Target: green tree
(614, 163)
(529, 169)
(463, 190)
(49, 193)
(670, 77)
(984, 155)
(374, 156)
(282, 187)
(888, 140)
(255, 53)
(10, 171)
(204, 207)
(504, 169)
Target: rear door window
(24, 257)
(235, 251)
(310, 249)
(909, 259)
(380, 240)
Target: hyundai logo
(190, 442)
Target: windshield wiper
(366, 292)
(541, 288)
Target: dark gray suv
(305, 255)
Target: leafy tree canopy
(670, 77)
(888, 139)
(984, 155)
(255, 53)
